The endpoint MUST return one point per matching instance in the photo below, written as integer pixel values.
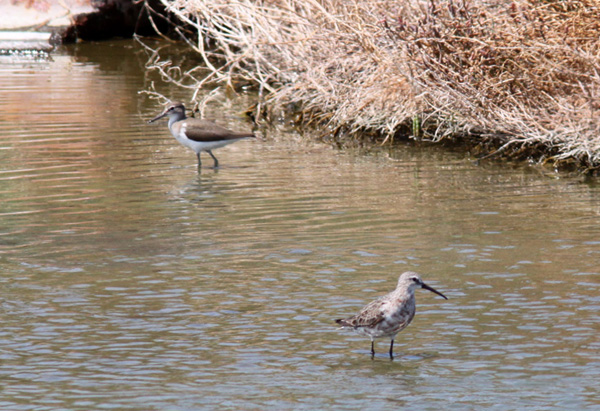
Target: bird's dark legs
(199, 161)
(373, 349)
(214, 158)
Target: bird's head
(411, 281)
(175, 110)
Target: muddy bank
(88, 20)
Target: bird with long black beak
(388, 315)
(198, 134)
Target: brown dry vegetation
(520, 76)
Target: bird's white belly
(199, 146)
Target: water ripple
(131, 281)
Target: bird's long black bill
(161, 115)
(433, 290)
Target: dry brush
(521, 76)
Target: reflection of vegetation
(38, 4)
(516, 77)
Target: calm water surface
(130, 281)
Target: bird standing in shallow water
(390, 314)
(199, 135)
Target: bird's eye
(415, 279)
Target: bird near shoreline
(198, 134)
(388, 315)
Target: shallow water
(131, 281)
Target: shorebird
(390, 314)
(199, 135)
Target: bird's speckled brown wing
(369, 316)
